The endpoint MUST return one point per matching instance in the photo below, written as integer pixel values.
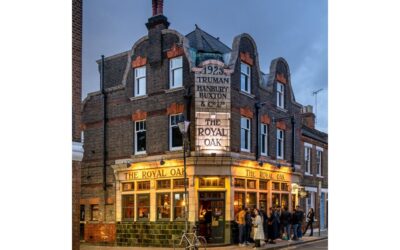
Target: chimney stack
(155, 25)
(308, 116)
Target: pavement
(280, 244)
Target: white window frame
(170, 133)
(280, 139)
(319, 162)
(172, 84)
(264, 134)
(137, 79)
(307, 159)
(247, 130)
(280, 95)
(247, 75)
(136, 137)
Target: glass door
(212, 216)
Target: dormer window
(175, 72)
(245, 83)
(140, 81)
(280, 95)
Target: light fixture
(183, 126)
(260, 163)
(162, 162)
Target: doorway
(212, 216)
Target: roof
(314, 134)
(204, 42)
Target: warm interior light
(211, 178)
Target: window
(238, 202)
(251, 184)
(307, 159)
(94, 212)
(179, 206)
(263, 201)
(82, 213)
(175, 136)
(319, 162)
(280, 95)
(175, 72)
(251, 200)
(276, 199)
(140, 132)
(239, 183)
(245, 134)
(284, 187)
(179, 183)
(245, 77)
(264, 139)
(140, 81)
(163, 184)
(128, 207)
(212, 182)
(143, 185)
(276, 186)
(163, 206)
(263, 185)
(143, 206)
(129, 186)
(284, 200)
(279, 143)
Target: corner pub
(239, 145)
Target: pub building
(238, 146)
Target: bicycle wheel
(200, 243)
(180, 243)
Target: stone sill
(174, 89)
(247, 94)
(281, 109)
(138, 97)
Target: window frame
(319, 162)
(247, 76)
(280, 95)
(158, 196)
(280, 141)
(175, 205)
(171, 148)
(248, 130)
(123, 207)
(137, 79)
(264, 135)
(136, 137)
(307, 159)
(148, 207)
(171, 71)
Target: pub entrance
(212, 216)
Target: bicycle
(191, 241)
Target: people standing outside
(249, 223)
(273, 225)
(264, 216)
(241, 221)
(208, 221)
(300, 215)
(285, 222)
(280, 228)
(310, 221)
(295, 223)
(258, 228)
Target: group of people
(256, 225)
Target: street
(319, 245)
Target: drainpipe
(292, 120)
(104, 124)
(257, 108)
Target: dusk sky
(296, 30)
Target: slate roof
(204, 42)
(314, 134)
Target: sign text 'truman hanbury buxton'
(213, 104)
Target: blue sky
(294, 29)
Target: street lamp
(183, 127)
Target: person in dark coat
(273, 226)
(300, 215)
(285, 222)
(295, 223)
(208, 221)
(310, 221)
(249, 224)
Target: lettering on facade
(250, 173)
(212, 104)
(153, 174)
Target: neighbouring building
(244, 143)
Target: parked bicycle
(191, 241)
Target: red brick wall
(76, 68)
(100, 232)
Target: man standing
(241, 221)
(300, 217)
(249, 224)
(295, 223)
(285, 222)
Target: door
(322, 210)
(212, 216)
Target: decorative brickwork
(281, 78)
(139, 115)
(139, 62)
(246, 112)
(281, 125)
(174, 51)
(175, 109)
(245, 57)
(265, 119)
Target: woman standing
(258, 228)
(273, 225)
(310, 220)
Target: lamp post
(183, 128)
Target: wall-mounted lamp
(162, 162)
(260, 163)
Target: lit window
(245, 134)
(175, 136)
(128, 186)
(163, 206)
(319, 162)
(143, 206)
(163, 184)
(128, 207)
(179, 206)
(143, 185)
(264, 139)
(251, 200)
(239, 202)
(140, 81)
(175, 72)
(280, 95)
(251, 184)
(245, 77)
(179, 183)
(307, 159)
(140, 131)
(279, 143)
(239, 183)
(263, 185)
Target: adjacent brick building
(240, 144)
